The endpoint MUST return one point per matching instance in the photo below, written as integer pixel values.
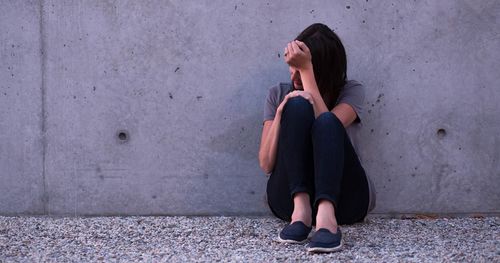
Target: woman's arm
(309, 85)
(345, 113)
(269, 144)
(299, 57)
(270, 133)
(269, 140)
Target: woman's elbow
(265, 165)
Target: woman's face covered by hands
(298, 58)
(295, 77)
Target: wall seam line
(45, 197)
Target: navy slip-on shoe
(295, 233)
(325, 241)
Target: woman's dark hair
(328, 59)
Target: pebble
(237, 239)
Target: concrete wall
(22, 188)
(154, 107)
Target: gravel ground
(237, 239)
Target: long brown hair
(328, 59)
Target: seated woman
(315, 174)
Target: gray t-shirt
(353, 93)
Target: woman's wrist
(309, 85)
(306, 69)
(309, 81)
(277, 116)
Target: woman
(315, 174)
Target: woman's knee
(328, 122)
(298, 107)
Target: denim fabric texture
(315, 155)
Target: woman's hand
(304, 94)
(297, 55)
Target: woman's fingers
(282, 104)
(309, 98)
(306, 96)
(303, 94)
(288, 53)
(302, 46)
(291, 50)
(295, 93)
(296, 47)
(297, 54)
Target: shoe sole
(324, 249)
(290, 241)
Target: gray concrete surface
(240, 239)
(21, 112)
(185, 83)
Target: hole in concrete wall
(123, 136)
(441, 133)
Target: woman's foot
(328, 237)
(298, 230)
(324, 241)
(325, 217)
(302, 209)
(303, 216)
(294, 233)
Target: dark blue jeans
(315, 155)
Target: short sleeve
(353, 93)
(271, 104)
